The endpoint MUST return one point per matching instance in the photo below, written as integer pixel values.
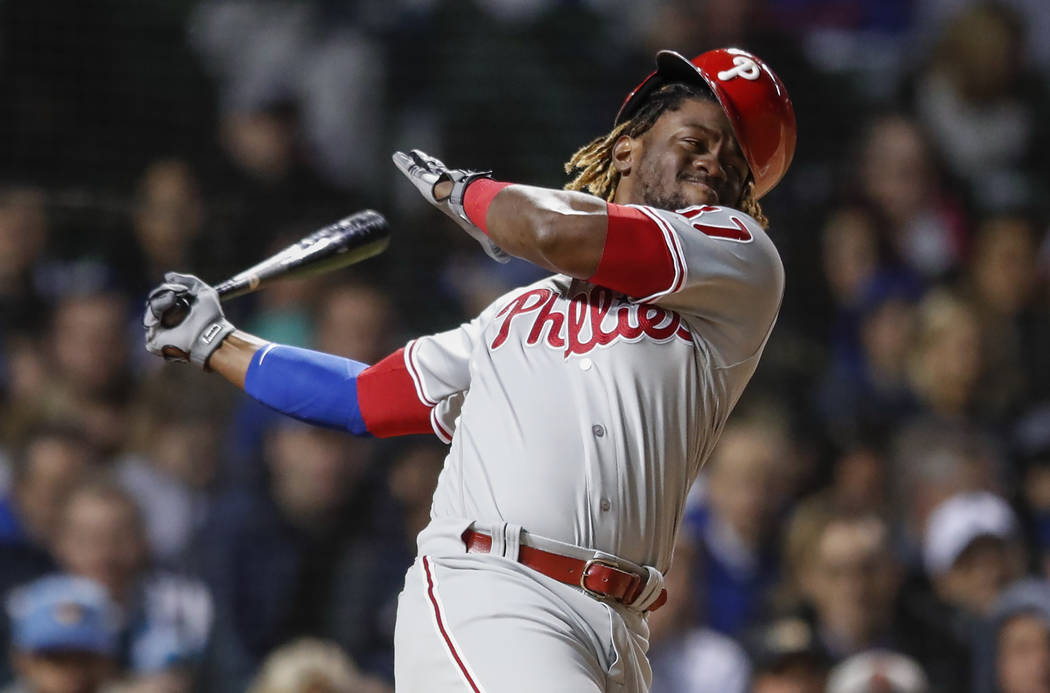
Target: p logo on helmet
(755, 102)
(742, 67)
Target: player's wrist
(209, 340)
(477, 198)
(234, 356)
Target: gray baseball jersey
(584, 415)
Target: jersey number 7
(736, 232)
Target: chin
(697, 196)
(670, 201)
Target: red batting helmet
(752, 96)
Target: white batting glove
(425, 172)
(198, 333)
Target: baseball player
(579, 409)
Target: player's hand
(444, 188)
(198, 334)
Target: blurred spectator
(898, 178)
(272, 552)
(877, 671)
(1017, 654)
(743, 487)
(1003, 264)
(972, 550)
(26, 375)
(270, 192)
(357, 321)
(933, 15)
(168, 220)
(860, 480)
(64, 636)
(850, 583)
(692, 27)
(45, 466)
(684, 655)
(166, 618)
(788, 658)
(945, 363)
(309, 665)
(23, 237)
(173, 457)
(88, 382)
(1031, 446)
(848, 575)
(90, 349)
(931, 463)
(50, 462)
(1001, 283)
(300, 92)
(317, 58)
(851, 255)
(978, 101)
(866, 392)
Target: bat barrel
(348, 241)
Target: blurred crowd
(876, 517)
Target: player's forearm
(311, 386)
(308, 385)
(556, 229)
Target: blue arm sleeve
(307, 385)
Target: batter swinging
(579, 409)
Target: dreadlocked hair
(592, 164)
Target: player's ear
(624, 151)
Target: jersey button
(605, 505)
(585, 364)
(598, 430)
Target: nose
(709, 163)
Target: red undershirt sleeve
(387, 396)
(637, 259)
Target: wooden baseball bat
(346, 242)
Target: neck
(624, 194)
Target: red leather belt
(597, 577)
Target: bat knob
(174, 315)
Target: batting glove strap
(209, 340)
(460, 179)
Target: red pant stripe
(444, 633)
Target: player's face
(690, 157)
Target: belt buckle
(583, 576)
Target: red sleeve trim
(638, 258)
(478, 197)
(390, 404)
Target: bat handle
(178, 311)
(175, 314)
